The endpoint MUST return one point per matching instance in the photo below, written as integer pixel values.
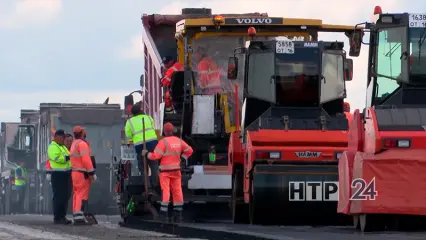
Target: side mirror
(232, 68)
(141, 81)
(349, 69)
(128, 103)
(355, 40)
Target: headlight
(274, 155)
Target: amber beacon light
(218, 20)
(251, 31)
(377, 10)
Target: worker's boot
(164, 216)
(177, 216)
(91, 220)
(80, 219)
(168, 110)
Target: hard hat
(168, 127)
(78, 129)
(347, 105)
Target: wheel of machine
(255, 214)
(370, 223)
(239, 210)
(355, 219)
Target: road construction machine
(28, 142)
(204, 119)
(103, 123)
(290, 96)
(381, 175)
(17, 146)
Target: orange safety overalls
(169, 151)
(166, 81)
(209, 75)
(82, 167)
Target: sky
(82, 51)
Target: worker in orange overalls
(172, 66)
(169, 151)
(83, 173)
(347, 111)
(208, 72)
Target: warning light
(397, 143)
(251, 31)
(128, 109)
(377, 10)
(218, 20)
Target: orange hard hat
(168, 127)
(78, 129)
(347, 105)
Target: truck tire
(239, 208)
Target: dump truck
(293, 127)
(381, 174)
(18, 144)
(103, 123)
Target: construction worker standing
(68, 140)
(347, 111)
(172, 66)
(134, 131)
(83, 173)
(20, 185)
(60, 165)
(169, 151)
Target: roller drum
(270, 202)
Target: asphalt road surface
(37, 227)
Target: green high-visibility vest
(56, 154)
(134, 129)
(21, 182)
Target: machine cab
(397, 77)
(286, 74)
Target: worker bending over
(208, 72)
(172, 66)
(169, 151)
(134, 131)
(347, 111)
(60, 170)
(83, 173)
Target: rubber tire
(240, 212)
(355, 220)
(371, 223)
(254, 216)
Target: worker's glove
(48, 177)
(183, 161)
(144, 153)
(94, 177)
(67, 158)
